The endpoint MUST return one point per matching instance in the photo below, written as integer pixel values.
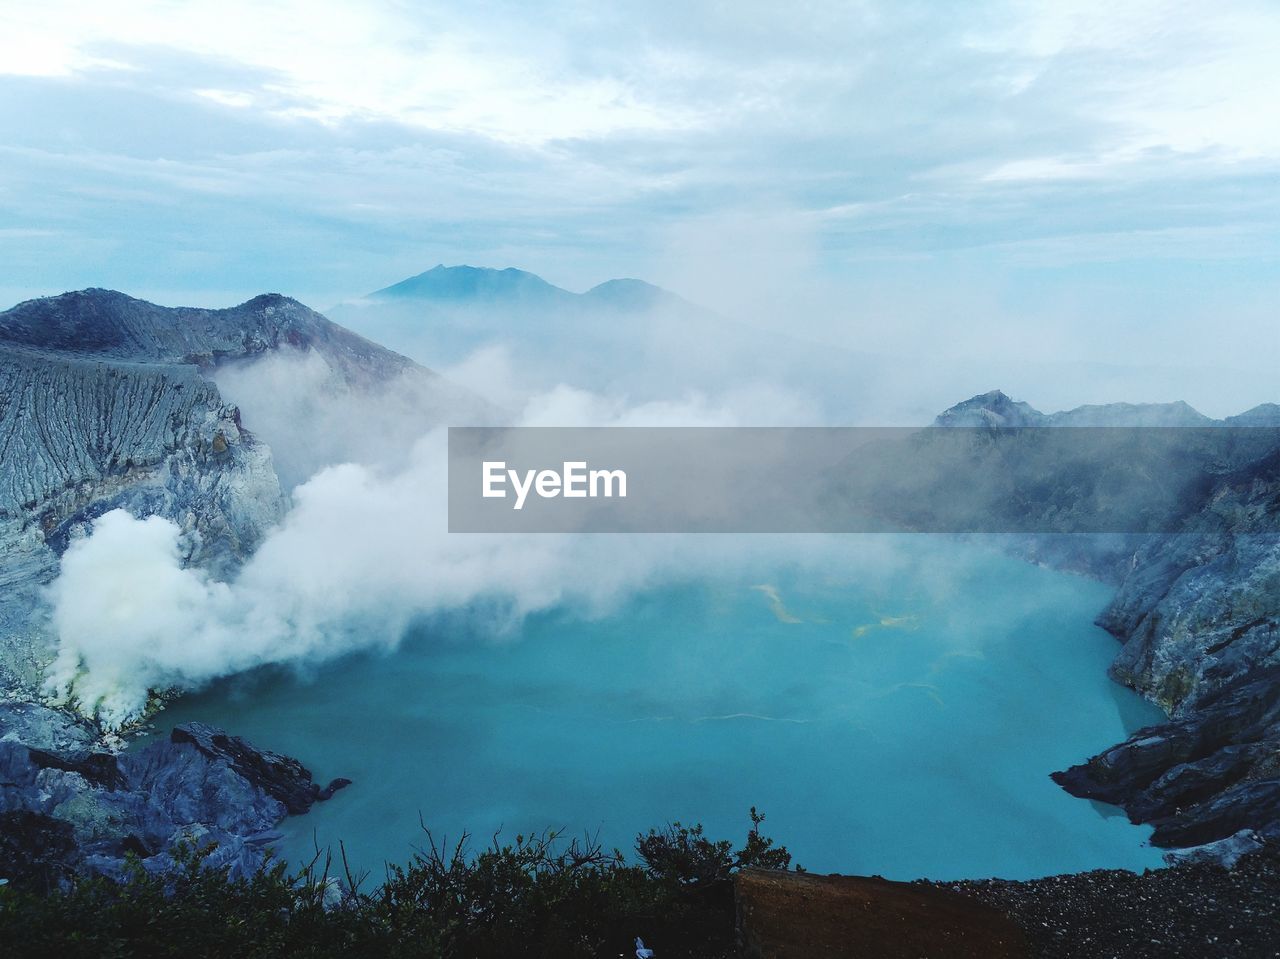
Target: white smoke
(363, 553)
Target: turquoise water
(902, 725)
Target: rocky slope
(110, 402)
(1198, 613)
(67, 805)
(1197, 609)
(1195, 909)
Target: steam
(362, 556)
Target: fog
(364, 552)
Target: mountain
(628, 294)
(106, 324)
(110, 402)
(621, 337)
(997, 409)
(1176, 413)
(991, 409)
(509, 287)
(1264, 414)
(475, 284)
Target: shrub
(682, 854)
(537, 897)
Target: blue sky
(1062, 174)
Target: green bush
(537, 897)
(684, 855)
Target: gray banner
(858, 479)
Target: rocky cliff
(67, 805)
(110, 402)
(1197, 610)
(1199, 616)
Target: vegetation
(536, 897)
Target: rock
(1196, 908)
(1224, 852)
(70, 810)
(281, 777)
(1202, 777)
(1198, 612)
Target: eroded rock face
(1201, 609)
(108, 402)
(68, 806)
(1203, 777)
(1198, 612)
(1200, 620)
(80, 436)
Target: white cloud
(339, 61)
(1157, 76)
(775, 162)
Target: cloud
(343, 62)
(842, 173)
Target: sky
(1091, 179)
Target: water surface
(902, 725)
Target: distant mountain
(460, 284)
(1264, 414)
(622, 337)
(633, 295)
(991, 409)
(997, 409)
(1176, 413)
(482, 286)
(628, 337)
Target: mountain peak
(265, 301)
(1177, 413)
(112, 325)
(993, 408)
(468, 286)
(630, 293)
(471, 282)
(1264, 414)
